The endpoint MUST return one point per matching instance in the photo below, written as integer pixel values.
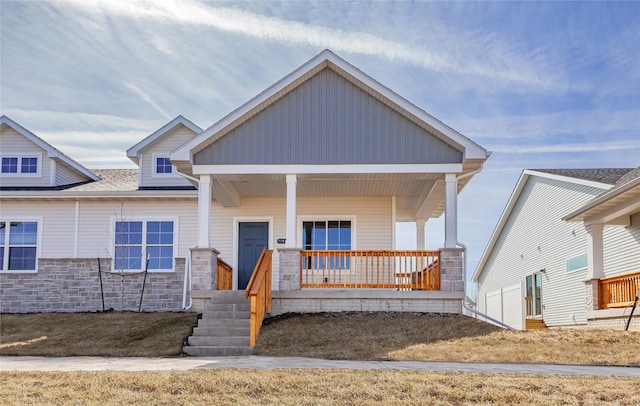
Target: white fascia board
(52, 152)
(570, 179)
(323, 169)
(99, 195)
(133, 153)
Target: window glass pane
(345, 235)
(2, 232)
(160, 232)
(23, 233)
(163, 165)
(128, 232)
(333, 235)
(577, 263)
(22, 258)
(307, 230)
(128, 257)
(160, 257)
(29, 165)
(9, 165)
(319, 236)
(1, 258)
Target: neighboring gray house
(317, 168)
(565, 238)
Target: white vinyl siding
(14, 144)
(622, 248)
(95, 228)
(65, 175)
(534, 238)
(160, 148)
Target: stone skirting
(375, 300)
(451, 270)
(614, 318)
(204, 268)
(289, 272)
(73, 285)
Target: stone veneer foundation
(73, 285)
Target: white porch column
(420, 234)
(450, 210)
(595, 251)
(204, 211)
(291, 212)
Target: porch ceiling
(418, 195)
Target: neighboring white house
(563, 233)
(325, 159)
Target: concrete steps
(224, 327)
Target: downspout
(187, 286)
(187, 264)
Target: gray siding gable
(327, 120)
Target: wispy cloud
(148, 99)
(503, 64)
(564, 148)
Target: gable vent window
(163, 165)
(20, 165)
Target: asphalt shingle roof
(609, 176)
(111, 180)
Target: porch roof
(614, 206)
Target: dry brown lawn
(429, 337)
(117, 334)
(348, 335)
(311, 387)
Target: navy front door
(252, 238)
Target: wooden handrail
(259, 291)
(618, 290)
(225, 276)
(403, 270)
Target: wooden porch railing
(259, 290)
(405, 270)
(618, 290)
(225, 276)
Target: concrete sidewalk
(256, 362)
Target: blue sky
(541, 84)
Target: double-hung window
(18, 245)
(135, 241)
(19, 165)
(327, 235)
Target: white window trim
(351, 218)
(39, 221)
(144, 219)
(154, 171)
(20, 155)
(566, 261)
(236, 226)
